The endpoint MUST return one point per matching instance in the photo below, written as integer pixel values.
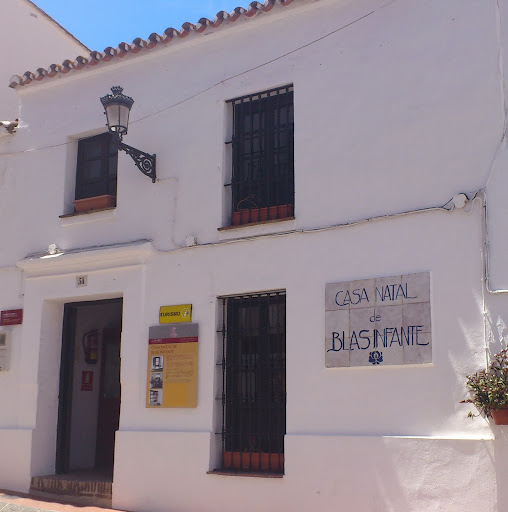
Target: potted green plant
(488, 389)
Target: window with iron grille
(97, 167)
(254, 382)
(262, 184)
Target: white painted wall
(29, 40)
(375, 121)
(398, 111)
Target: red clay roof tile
(139, 44)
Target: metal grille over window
(263, 156)
(254, 382)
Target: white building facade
(397, 153)
(30, 39)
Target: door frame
(63, 439)
(104, 451)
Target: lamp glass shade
(117, 107)
(118, 118)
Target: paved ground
(17, 502)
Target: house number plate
(81, 281)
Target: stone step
(87, 484)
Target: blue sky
(102, 23)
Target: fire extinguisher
(91, 346)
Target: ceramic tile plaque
(378, 322)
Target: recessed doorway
(89, 391)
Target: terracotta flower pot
(232, 460)
(254, 215)
(280, 212)
(263, 213)
(286, 210)
(500, 416)
(94, 203)
(272, 213)
(248, 216)
(254, 461)
(236, 222)
(272, 461)
(249, 460)
(245, 216)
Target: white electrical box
(5, 350)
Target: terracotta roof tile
(80, 62)
(40, 73)
(93, 59)
(15, 81)
(67, 65)
(108, 54)
(54, 69)
(139, 44)
(123, 49)
(28, 77)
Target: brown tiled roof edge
(139, 44)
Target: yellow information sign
(172, 366)
(175, 314)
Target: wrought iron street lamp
(117, 107)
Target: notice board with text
(172, 379)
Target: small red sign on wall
(11, 317)
(86, 381)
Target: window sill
(76, 214)
(233, 472)
(100, 214)
(259, 223)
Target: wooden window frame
(262, 182)
(106, 182)
(253, 393)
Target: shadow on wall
(434, 474)
(388, 489)
(497, 332)
(497, 339)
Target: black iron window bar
(253, 396)
(263, 154)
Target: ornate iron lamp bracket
(144, 162)
(116, 108)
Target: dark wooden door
(109, 399)
(63, 444)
